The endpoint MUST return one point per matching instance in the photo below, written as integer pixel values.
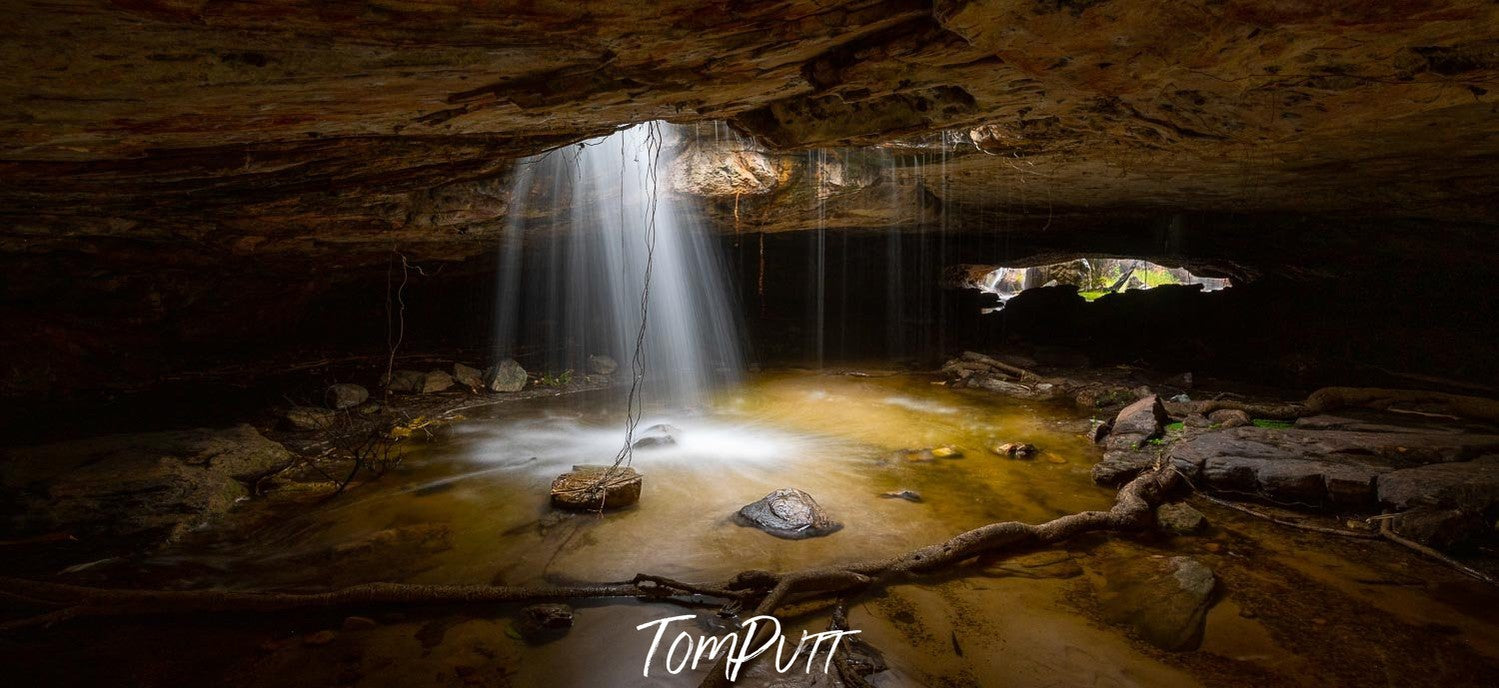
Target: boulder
(414, 382)
(345, 395)
(1165, 601)
(155, 485)
(1145, 417)
(788, 513)
(471, 378)
(1180, 518)
(1229, 418)
(506, 376)
(591, 488)
(308, 418)
(599, 364)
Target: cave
(838, 343)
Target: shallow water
(1294, 607)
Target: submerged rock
(599, 364)
(506, 376)
(591, 488)
(1180, 518)
(414, 382)
(471, 378)
(345, 395)
(908, 495)
(1164, 601)
(540, 623)
(788, 513)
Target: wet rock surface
(157, 485)
(589, 488)
(788, 513)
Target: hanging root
(765, 591)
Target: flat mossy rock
(592, 488)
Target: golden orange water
(1294, 607)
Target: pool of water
(471, 506)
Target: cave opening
(974, 344)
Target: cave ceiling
(346, 128)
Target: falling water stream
(471, 506)
(607, 221)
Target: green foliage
(560, 380)
(1176, 427)
(1266, 423)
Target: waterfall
(585, 222)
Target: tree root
(1271, 410)
(1333, 398)
(1134, 509)
(1283, 522)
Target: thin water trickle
(571, 287)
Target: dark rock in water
(586, 489)
(471, 378)
(540, 623)
(345, 395)
(788, 513)
(308, 418)
(908, 495)
(150, 484)
(658, 435)
(1014, 450)
(413, 382)
(1180, 518)
(1165, 601)
(599, 364)
(507, 376)
(1229, 418)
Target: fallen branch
(1386, 531)
(1283, 522)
